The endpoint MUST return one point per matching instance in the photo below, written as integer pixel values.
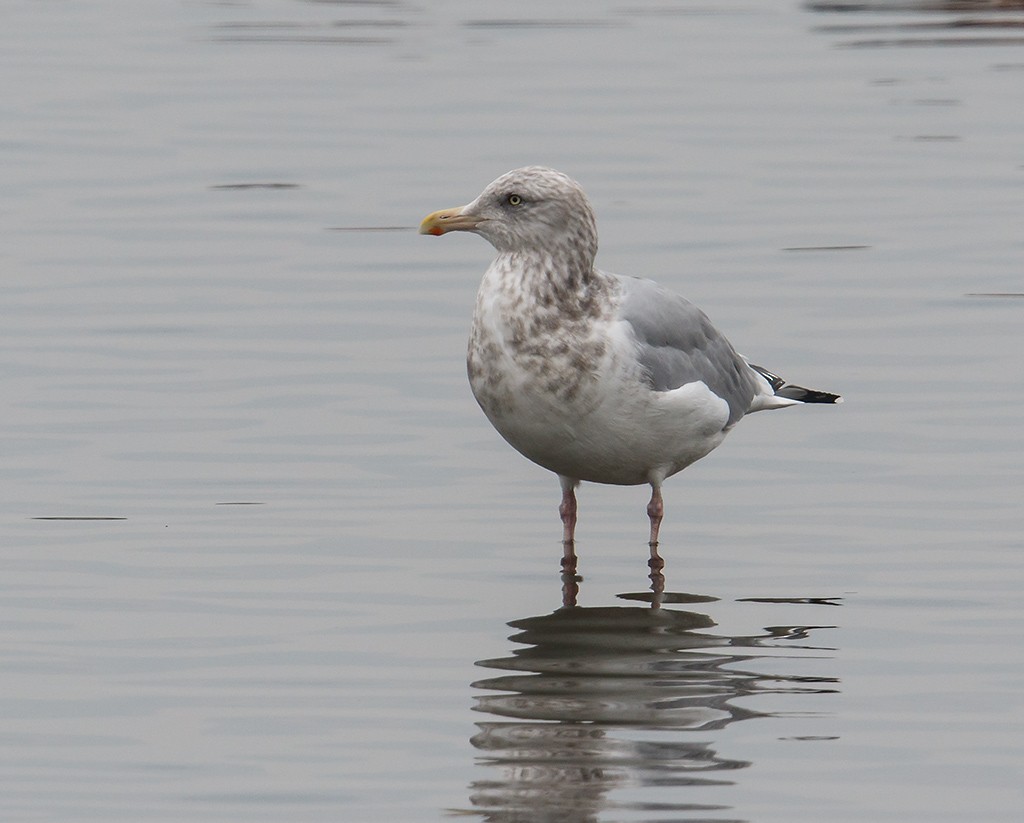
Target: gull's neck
(550, 276)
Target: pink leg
(567, 511)
(655, 511)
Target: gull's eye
(514, 200)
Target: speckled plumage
(592, 375)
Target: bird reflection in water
(599, 701)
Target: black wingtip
(799, 393)
(807, 395)
(774, 380)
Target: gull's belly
(604, 426)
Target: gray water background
(260, 549)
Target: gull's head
(529, 209)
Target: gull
(595, 376)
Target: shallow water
(263, 557)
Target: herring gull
(593, 375)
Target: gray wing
(678, 345)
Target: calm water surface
(264, 559)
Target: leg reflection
(594, 701)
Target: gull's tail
(796, 393)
